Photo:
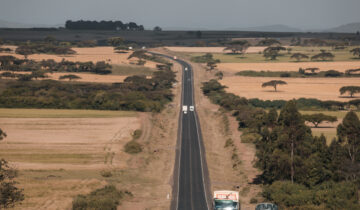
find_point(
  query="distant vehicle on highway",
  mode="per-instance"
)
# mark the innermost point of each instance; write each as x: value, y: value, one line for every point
x: 266, y: 206
x: 191, y: 108
x: 185, y: 109
x: 175, y: 57
x: 186, y: 68
x: 228, y: 200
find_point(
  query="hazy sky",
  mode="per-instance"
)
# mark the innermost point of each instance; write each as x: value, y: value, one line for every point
x: 209, y: 14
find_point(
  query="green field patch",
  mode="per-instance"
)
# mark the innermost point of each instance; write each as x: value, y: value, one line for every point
x: 125, y: 70
x: 340, y: 55
x: 62, y: 113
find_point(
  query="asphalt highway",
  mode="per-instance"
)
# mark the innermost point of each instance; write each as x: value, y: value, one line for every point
x: 191, y: 180
x: 192, y: 189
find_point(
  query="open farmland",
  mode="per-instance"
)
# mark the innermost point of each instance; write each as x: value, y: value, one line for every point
x: 255, y: 55
x: 93, y: 54
x: 232, y: 68
x: 58, y: 158
x: 319, y: 88
x: 84, y: 77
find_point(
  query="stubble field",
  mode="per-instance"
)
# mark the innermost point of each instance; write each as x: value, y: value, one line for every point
x: 59, y: 158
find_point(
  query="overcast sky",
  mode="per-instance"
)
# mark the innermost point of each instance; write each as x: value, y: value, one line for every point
x: 204, y: 14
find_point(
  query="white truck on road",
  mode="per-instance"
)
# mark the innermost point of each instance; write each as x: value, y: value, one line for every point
x: 185, y: 109
x: 225, y: 199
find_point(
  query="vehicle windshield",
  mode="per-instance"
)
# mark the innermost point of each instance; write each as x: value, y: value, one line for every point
x: 220, y: 204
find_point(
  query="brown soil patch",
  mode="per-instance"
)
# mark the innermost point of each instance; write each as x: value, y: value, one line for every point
x: 319, y: 88
x: 59, y: 158
x: 93, y: 54
x: 291, y: 66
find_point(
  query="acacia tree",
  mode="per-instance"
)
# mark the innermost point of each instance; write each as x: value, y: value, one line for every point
x: 24, y: 50
x: 316, y: 119
x: 273, y: 83
x: 299, y: 56
x: 350, y: 89
x: 323, y: 56
x: 238, y: 47
x: 219, y: 75
x: 356, y: 51
x: 268, y: 42
x: 115, y: 41
x: 349, y: 135
x: 272, y: 52
x: 69, y: 77
x: 211, y: 65
x: 312, y: 70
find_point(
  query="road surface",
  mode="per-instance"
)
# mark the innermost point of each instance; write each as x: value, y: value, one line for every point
x: 191, y: 180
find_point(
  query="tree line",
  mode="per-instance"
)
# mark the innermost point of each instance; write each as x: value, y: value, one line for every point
x: 102, y: 25
x: 12, y: 63
x: 299, y: 170
x: 136, y: 93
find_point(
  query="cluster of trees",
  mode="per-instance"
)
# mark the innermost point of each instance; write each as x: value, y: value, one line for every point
x: 298, y: 169
x: 135, y: 93
x: 323, y: 56
x: 12, y: 63
x: 102, y: 25
x: 268, y: 42
x: 237, y: 47
x: 273, y: 52
x: 308, y: 72
x: 356, y: 51
x: 43, y: 48
x: 208, y: 58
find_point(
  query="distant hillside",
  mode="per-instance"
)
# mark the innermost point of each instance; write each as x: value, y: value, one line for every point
x: 269, y: 28
x: 347, y: 28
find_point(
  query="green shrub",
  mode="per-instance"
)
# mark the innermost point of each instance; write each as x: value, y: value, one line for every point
x: 285, y: 75
x: 229, y: 142
x: 250, y: 137
x: 137, y: 134
x: 106, y: 198
x: 132, y: 147
x: 333, y: 73
x: 106, y: 174
x: 253, y: 200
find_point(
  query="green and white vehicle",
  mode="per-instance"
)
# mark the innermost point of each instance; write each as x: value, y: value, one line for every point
x: 226, y: 200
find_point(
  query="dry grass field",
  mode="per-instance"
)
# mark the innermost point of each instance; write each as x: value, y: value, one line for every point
x: 254, y: 54
x: 320, y: 88
x: 93, y: 54
x: 60, y: 157
x: 288, y: 66
x: 84, y: 77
